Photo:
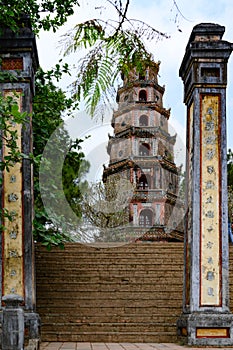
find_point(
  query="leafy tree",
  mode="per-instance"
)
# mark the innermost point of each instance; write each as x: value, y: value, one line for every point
x: 44, y: 14
x: 106, y: 209
x: 75, y: 167
x: 113, y: 48
x: 49, y: 104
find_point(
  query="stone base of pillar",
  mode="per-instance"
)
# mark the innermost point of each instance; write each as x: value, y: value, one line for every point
x: 32, y: 331
x: 30, y: 334
x: 33, y: 344
x: 206, y: 329
x: 20, y: 329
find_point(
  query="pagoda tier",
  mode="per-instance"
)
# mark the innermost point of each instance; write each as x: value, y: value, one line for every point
x: 156, y: 142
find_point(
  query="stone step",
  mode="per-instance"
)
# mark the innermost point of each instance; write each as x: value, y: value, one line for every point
x: 119, y: 246
x: 113, y: 298
x: 115, y: 258
x: 99, y: 267
x: 112, y: 259
x: 107, y: 311
x: 120, y: 281
x: 111, y: 337
x: 152, y: 255
x: 93, y: 328
x: 122, y: 258
x: 91, y: 318
x: 97, y: 303
x: 96, y: 263
x: 120, y: 276
x: 116, y: 273
x: 107, y: 286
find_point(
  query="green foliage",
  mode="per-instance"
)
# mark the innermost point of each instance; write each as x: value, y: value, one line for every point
x: 50, y: 103
x: 44, y: 14
x: 10, y: 116
x: 182, y: 185
x: 113, y: 48
x: 75, y: 167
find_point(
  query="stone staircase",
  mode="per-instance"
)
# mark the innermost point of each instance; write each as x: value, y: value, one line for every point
x: 128, y: 293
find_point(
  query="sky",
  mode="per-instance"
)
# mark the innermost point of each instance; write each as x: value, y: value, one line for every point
x: 164, y: 16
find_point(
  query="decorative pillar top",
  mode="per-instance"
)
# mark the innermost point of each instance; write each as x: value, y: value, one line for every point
x: 206, y: 32
x: 205, y: 46
x: 21, y: 40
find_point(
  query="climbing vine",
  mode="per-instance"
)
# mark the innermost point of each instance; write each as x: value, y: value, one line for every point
x: 10, y: 117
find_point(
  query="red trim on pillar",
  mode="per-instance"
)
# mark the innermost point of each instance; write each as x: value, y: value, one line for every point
x: 12, y: 63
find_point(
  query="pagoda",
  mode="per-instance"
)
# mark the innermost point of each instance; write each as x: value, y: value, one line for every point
x: 142, y: 151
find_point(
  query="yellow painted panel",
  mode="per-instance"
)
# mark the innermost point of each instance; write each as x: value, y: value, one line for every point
x: 13, y: 233
x: 210, y: 202
x: 212, y: 332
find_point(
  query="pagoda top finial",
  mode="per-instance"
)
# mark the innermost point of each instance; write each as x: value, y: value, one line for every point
x: 147, y: 70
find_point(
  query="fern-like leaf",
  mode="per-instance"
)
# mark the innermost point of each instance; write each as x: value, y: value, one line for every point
x: 113, y: 49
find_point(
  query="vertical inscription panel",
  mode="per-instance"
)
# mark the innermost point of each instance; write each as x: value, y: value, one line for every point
x: 210, y: 201
x: 13, y: 233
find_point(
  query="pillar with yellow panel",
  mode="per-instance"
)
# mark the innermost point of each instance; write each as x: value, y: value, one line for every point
x: 18, y: 56
x: 206, y: 319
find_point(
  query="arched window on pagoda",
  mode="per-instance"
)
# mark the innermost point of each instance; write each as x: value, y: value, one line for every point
x: 142, y: 96
x: 144, y: 182
x: 144, y: 149
x: 143, y: 120
x: 145, y: 218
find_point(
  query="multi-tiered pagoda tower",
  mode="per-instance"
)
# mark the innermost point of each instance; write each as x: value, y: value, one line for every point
x: 142, y: 151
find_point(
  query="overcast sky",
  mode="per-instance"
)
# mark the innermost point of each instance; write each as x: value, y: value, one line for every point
x: 162, y: 15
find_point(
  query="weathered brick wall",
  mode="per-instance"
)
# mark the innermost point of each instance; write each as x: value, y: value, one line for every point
x: 125, y: 293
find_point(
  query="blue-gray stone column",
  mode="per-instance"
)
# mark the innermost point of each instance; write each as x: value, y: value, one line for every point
x: 206, y: 319
x: 18, y: 54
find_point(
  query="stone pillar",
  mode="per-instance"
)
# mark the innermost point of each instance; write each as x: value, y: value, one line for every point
x: 206, y: 319
x: 18, y: 55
